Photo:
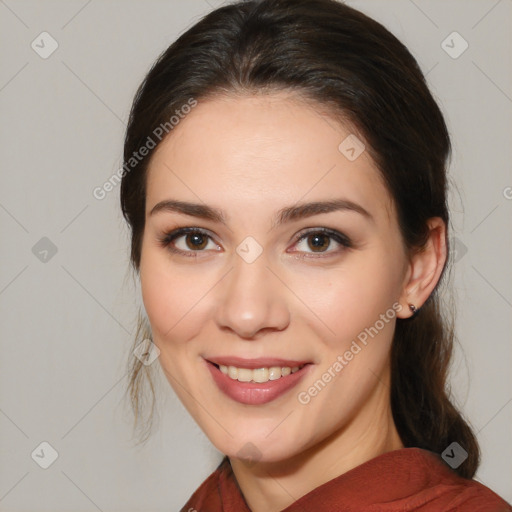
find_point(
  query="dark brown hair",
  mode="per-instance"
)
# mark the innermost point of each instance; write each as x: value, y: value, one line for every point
x: 355, y: 69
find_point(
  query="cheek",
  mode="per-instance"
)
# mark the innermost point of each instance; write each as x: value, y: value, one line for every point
x: 171, y: 298
x: 346, y: 301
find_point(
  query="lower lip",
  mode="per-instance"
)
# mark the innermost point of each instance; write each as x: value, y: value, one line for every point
x: 256, y: 393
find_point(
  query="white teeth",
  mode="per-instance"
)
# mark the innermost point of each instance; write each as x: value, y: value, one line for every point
x: 274, y: 373
x: 244, y: 374
x: 233, y: 372
x: 259, y: 374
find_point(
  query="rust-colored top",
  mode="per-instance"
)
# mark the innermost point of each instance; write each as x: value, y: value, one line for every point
x: 409, y: 479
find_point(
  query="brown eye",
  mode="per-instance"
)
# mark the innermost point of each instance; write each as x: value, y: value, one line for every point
x: 318, y: 242
x: 322, y: 241
x: 188, y: 241
x: 196, y: 241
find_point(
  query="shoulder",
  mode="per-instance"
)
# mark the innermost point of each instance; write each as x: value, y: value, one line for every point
x: 407, y: 480
x: 410, y: 479
x: 476, y: 497
x: 452, y: 493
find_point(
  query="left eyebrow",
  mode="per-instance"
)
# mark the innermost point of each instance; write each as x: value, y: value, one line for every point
x: 304, y: 210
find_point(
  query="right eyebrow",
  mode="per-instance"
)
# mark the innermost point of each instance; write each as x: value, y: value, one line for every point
x: 201, y: 211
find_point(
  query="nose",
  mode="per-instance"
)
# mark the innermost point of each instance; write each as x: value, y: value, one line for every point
x: 252, y: 300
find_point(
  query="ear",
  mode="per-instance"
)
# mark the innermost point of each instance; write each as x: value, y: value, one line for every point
x: 424, y: 269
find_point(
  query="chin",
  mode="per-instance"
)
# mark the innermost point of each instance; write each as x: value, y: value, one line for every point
x: 254, y: 446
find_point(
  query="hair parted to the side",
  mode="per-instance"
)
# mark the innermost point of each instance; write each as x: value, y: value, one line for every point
x: 353, y: 68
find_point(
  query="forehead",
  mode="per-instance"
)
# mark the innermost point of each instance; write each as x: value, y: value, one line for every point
x: 274, y: 148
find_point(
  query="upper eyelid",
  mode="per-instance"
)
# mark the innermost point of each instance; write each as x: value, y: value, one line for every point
x: 329, y: 232
x: 303, y: 233
x: 179, y: 232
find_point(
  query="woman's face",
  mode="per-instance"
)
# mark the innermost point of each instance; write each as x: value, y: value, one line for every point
x: 293, y: 256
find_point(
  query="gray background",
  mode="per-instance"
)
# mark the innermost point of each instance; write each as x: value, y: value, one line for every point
x: 67, y: 318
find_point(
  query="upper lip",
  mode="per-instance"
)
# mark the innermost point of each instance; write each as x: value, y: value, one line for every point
x: 259, y: 362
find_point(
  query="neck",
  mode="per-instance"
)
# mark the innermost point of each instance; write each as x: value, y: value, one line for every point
x: 273, y: 486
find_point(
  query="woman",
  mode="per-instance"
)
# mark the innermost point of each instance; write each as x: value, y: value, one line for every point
x: 286, y: 192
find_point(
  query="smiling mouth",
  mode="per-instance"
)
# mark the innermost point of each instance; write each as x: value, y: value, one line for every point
x: 259, y: 384
x: 257, y: 375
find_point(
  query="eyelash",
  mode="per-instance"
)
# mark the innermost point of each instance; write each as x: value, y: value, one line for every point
x: 169, y: 237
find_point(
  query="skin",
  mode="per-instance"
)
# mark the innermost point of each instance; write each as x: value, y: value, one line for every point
x: 250, y: 156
